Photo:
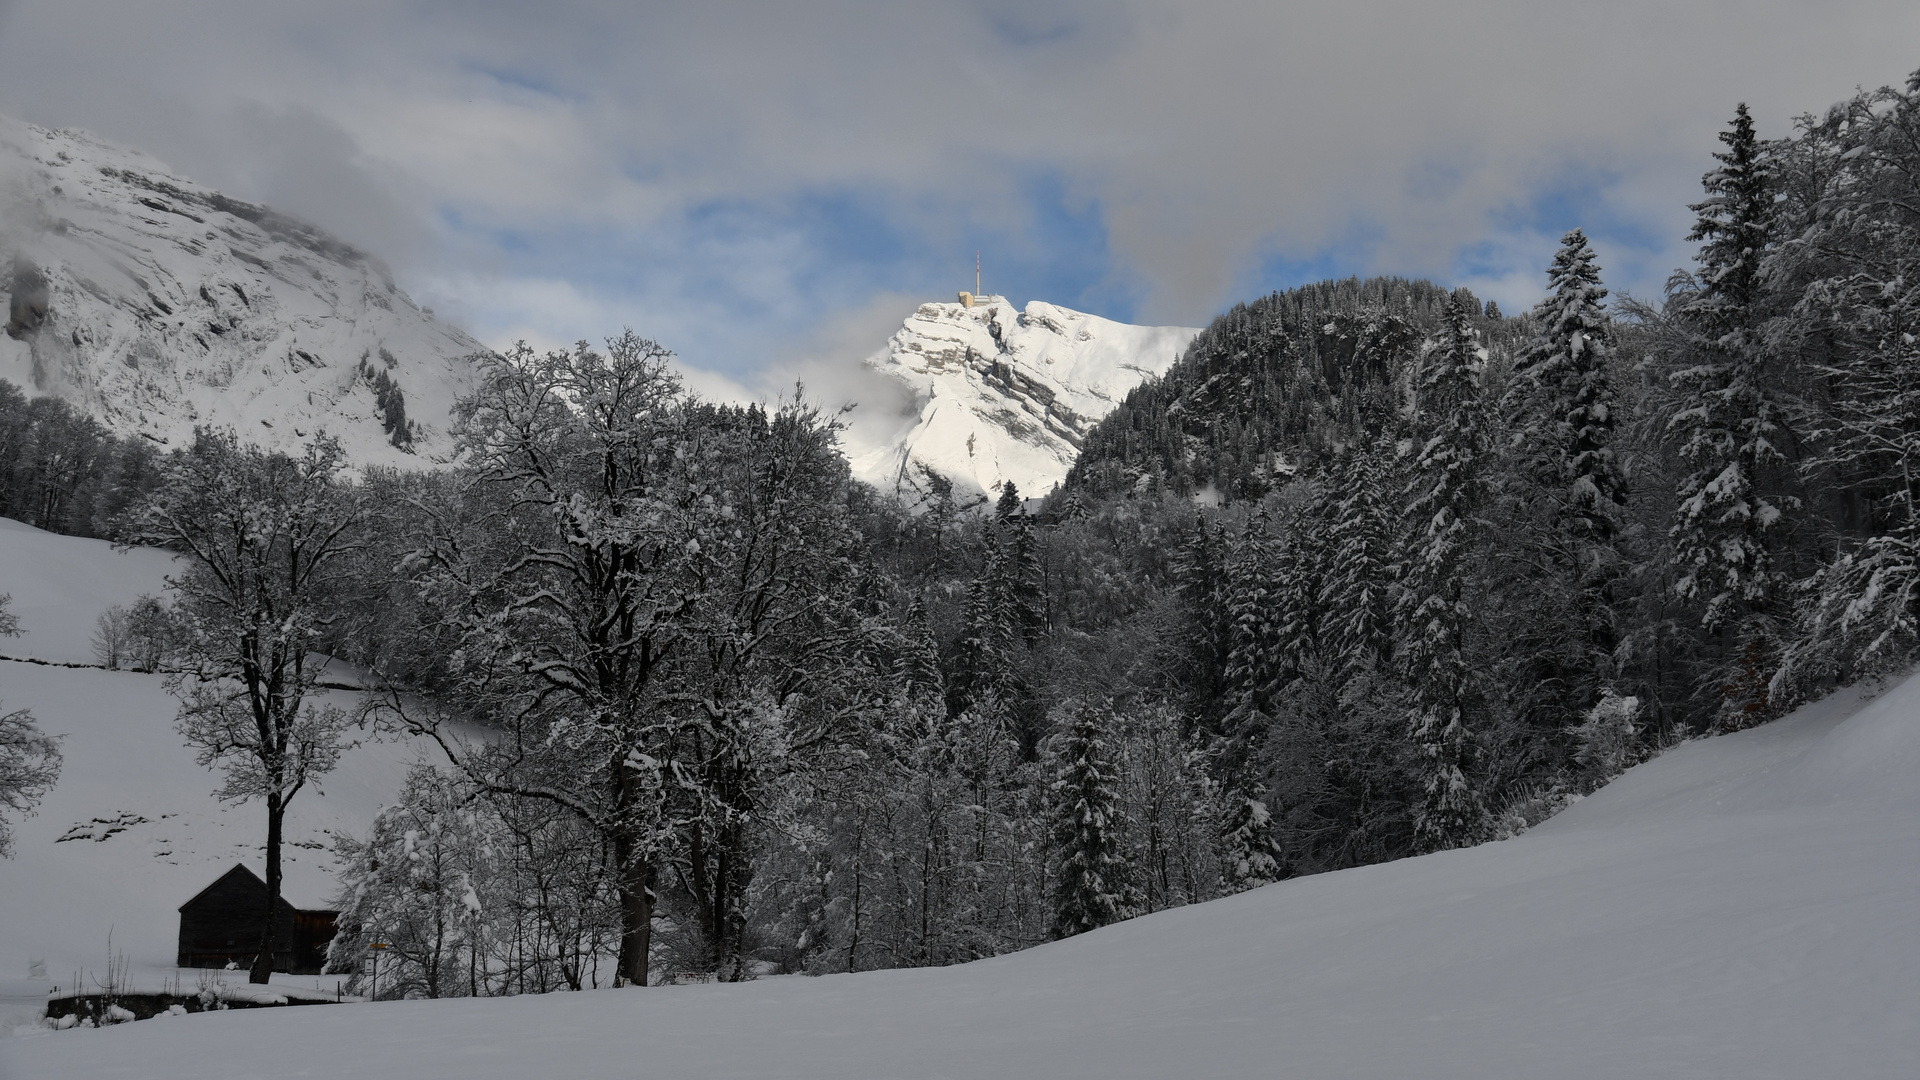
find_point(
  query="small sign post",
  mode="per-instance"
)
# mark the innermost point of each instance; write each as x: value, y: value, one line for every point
x: 374, y: 949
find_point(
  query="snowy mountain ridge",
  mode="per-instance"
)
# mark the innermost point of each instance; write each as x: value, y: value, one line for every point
x: 1001, y: 394
x: 156, y: 304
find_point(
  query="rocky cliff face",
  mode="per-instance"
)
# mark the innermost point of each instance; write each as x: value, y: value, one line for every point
x: 156, y: 304
x: 1000, y: 394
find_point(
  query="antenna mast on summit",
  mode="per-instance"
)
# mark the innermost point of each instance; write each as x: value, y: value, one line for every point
x: 976, y: 273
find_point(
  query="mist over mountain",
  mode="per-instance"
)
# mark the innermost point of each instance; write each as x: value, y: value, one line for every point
x: 154, y: 305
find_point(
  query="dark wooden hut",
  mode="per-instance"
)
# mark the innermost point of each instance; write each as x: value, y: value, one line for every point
x: 221, y: 926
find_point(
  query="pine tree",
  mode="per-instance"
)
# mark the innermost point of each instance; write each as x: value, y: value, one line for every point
x: 987, y: 638
x: 1205, y: 585
x: 1566, y: 493
x: 1248, y: 855
x: 919, y: 665
x: 1732, y: 512
x: 1300, y: 576
x: 1256, y: 667
x: 1565, y: 399
x: 1094, y: 880
x: 1448, y: 489
x: 1026, y: 584
x: 1009, y: 502
x: 1356, y: 595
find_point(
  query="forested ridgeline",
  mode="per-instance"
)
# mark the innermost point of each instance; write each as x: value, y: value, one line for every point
x: 1373, y: 571
x: 1275, y: 385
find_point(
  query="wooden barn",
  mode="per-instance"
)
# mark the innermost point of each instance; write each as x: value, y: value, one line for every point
x: 221, y: 925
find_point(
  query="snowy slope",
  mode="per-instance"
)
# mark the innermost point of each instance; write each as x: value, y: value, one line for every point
x: 143, y: 831
x: 156, y: 304
x: 61, y: 584
x: 1741, y: 907
x: 1000, y: 394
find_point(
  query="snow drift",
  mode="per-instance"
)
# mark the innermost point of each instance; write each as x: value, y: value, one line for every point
x: 1741, y: 907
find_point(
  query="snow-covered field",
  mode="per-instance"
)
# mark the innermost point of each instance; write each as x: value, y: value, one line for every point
x: 132, y: 830
x: 1741, y: 907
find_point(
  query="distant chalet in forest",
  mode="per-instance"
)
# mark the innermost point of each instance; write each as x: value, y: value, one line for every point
x: 221, y: 925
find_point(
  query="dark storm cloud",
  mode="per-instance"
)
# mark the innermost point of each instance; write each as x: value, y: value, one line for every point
x: 1209, y: 140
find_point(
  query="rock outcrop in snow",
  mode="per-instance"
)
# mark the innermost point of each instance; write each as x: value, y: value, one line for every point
x: 156, y: 304
x: 1000, y: 394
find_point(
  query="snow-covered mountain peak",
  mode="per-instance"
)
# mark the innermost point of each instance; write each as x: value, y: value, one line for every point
x: 1002, y: 394
x: 156, y: 304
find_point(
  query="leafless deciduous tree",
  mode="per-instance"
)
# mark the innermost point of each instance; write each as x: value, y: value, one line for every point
x: 263, y: 535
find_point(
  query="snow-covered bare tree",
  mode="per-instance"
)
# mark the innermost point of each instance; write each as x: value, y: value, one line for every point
x: 1855, y: 266
x: 264, y: 536
x: 29, y: 767
x: 561, y: 558
x: 641, y: 587
x: 423, y: 886
x: 29, y: 759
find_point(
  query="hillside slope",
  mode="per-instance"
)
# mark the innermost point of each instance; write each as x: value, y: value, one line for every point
x: 132, y: 830
x: 155, y: 304
x: 1741, y: 907
x: 999, y: 394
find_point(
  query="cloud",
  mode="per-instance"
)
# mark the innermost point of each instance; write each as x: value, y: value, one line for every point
x: 737, y: 178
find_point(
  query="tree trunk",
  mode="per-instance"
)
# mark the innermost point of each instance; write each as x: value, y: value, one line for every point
x: 262, y: 969
x: 636, y: 911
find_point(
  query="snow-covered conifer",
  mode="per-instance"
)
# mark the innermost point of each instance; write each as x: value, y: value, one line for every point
x: 1727, y: 414
x: 1564, y: 398
x: 1255, y: 666
x: 1248, y: 856
x: 1094, y: 879
x: 1361, y: 541
x: 1447, y: 491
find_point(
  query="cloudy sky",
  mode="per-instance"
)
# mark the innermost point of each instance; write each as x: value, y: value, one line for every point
x: 764, y: 185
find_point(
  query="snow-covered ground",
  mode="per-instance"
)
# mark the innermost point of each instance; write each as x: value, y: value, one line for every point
x: 156, y: 304
x: 132, y: 830
x: 1001, y: 394
x: 1741, y: 907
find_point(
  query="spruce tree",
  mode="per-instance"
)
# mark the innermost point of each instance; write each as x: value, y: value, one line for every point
x: 918, y: 670
x: 1256, y: 666
x: 1733, y: 511
x: 1566, y: 493
x: 1565, y: 399
x: 1094, y: 880
x: 1248, y: 856
x: 1356, y: 594
x: 1448, y: 490
x: 987, y: 638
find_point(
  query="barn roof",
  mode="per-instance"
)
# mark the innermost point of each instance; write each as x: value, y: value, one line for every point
x: 245, y: 871
x: 238, y: 868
